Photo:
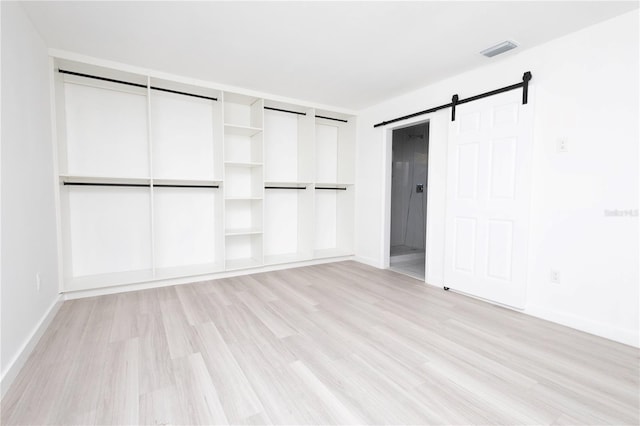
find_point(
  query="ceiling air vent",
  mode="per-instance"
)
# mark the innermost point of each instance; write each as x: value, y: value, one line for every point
x: 499, y: 48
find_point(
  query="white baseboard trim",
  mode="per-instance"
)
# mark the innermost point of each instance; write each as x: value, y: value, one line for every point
x: 607, y: 331
x: 368, y: 261
x: 10, y: 374
x: 81, y: 294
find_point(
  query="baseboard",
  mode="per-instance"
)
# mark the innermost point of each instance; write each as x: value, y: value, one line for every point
x: 18, y: 362
x: 368, y: 261
x: 81, y: 294
x: 607, y: 331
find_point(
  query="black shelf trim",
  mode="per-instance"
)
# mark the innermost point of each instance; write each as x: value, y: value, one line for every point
x: 135, y: 185
x: 285, y: 187
x: 128, y: 83
x: 331, y: 118
x: 285, y: 110
x: 163, y: 185
x: 138, y: 185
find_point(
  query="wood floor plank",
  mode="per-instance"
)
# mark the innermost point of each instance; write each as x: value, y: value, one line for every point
x: 279, y: 393
x: 79, y: 399
x: 237, y: 396
x: 388, y: 402
x: 278, y: 326
x: 334, y: 408
x: 156, y: 370
x: 196, y: 308
x: 118, y: 402
x: 178, y: 331
x: 125, y: 324
x: 197, y: 394
x: 161, y: 407
x: 336, y: 343
x: 289, y: 292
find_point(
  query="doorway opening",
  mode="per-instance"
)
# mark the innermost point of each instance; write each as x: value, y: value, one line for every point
x: 409, y: 170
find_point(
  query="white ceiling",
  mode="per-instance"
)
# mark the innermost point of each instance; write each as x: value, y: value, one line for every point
x: 346, y: 54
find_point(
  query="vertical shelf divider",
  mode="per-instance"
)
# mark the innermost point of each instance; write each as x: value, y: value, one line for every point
x: 221, y: 191
x: 257, y: 111
x: 151, y: 176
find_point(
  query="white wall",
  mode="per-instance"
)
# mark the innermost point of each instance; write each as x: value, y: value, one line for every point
x: 586, y: 90
x: 28, y: 242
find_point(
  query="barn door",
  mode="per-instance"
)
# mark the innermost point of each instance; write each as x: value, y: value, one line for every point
x: 488, y: 197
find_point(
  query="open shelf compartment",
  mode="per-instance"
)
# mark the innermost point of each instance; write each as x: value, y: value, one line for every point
x: 334, y: 149
x: 334, y: 222
x: 243, y: 251
x: 188, y: 230
x: 288, y: 223
x: 186, y: 131
x: 288, y: 143
x: 106, y: 235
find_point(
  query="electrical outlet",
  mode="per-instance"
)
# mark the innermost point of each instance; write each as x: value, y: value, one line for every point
x: 562, y: 145
x: 38, y: 281
x: 555, y: 276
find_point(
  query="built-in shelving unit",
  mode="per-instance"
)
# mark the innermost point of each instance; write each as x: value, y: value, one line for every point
x: 162, y: 179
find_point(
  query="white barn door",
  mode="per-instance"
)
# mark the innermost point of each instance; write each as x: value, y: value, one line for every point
x: 488, y: 197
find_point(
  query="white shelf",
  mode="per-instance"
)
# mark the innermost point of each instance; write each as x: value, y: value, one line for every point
x: 242, y: 164
x: 289, y: 184
x: 105, y: 179
x: 111, y: 279
x: 190, y: 182
x: 334, y: 252
x: 188, y: 270
x: 234, y: 129
x: 242, y: 231
x: 286, y: 258
x: 331, y: 184
x: 235, y: 264
x: 242, y: 198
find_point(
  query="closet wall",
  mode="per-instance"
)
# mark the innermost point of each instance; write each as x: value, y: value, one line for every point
x: 160, y: 179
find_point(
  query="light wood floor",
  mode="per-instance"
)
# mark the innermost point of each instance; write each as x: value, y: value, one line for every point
x: 334, y: 343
